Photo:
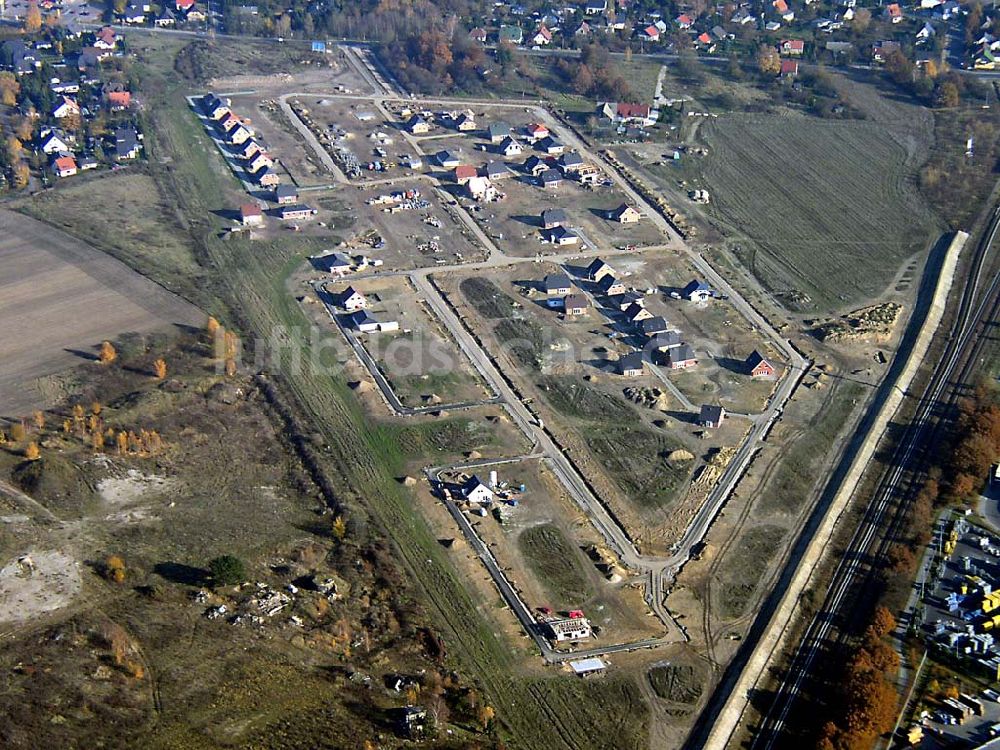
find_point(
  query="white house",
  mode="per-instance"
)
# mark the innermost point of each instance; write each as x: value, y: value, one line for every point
x: 352, y: 300
x: 475, y: 490
x: 65, y: 108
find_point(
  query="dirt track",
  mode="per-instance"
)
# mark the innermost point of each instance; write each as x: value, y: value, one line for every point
x: 59, y: 298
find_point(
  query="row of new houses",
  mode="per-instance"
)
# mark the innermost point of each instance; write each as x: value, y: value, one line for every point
x: 241, y: 140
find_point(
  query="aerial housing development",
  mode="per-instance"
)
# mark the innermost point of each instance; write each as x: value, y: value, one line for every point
x: 608, y: 375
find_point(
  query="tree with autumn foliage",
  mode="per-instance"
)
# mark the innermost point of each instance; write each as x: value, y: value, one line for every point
x: 160, y: 368
x: 33, y: 19
x: 31, y: 452
x: 108, y: 353
x: 9, y: 89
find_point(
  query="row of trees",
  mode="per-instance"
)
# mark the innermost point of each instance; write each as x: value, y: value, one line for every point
x: 867, y: 699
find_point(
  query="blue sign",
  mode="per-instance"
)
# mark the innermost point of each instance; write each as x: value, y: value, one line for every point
x: 319, y: 47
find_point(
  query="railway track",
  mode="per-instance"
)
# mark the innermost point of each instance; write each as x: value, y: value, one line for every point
x: 884, y: 518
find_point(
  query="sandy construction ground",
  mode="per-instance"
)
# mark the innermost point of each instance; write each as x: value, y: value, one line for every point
x: 59, y: 298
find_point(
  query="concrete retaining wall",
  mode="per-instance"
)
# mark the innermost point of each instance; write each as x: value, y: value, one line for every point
x: 774, y: 638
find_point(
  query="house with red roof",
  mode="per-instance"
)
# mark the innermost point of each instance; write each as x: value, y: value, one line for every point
x: 626, y: 113
x: 118, y: 100
x: 789, y: 68
x: 106, y: 38
x: 894, y: 13
x: 64, y: 166
x: 542, y: 37
x: 183, y: 5
x: 463, y: 173
x: 650, y: 34
x: 537, y: 131
x: 793, y: 47
x: 684, y: 21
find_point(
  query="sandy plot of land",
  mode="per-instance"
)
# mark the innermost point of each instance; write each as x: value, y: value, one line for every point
x: 33, y: 584
x: 59, y: 298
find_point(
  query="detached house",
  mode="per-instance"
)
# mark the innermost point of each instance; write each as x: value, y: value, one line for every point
x: 536, y: 131
x: 630, y: 365
x: 598, y: 269
x: 624, y: 214
x: 758, y: 367
x: 106, y: 39
x: 510, y: 147
x: 711, y: 416
x: 65, y: 108
x: 475, y: 490
x: 697, y: 291
x: 542, y: 37
x: 352, y: 300
x: 551, y: 146
x: 894, y: 13
x: 463, y: 173
x: 498, y: 132
x: 793, y: 47
x: 54, y: 142
x: 127, y: 144
x: 64, y: 166
x: 610, y: 286
x: 118, y: 100
x: 251, y: 215
x: 267, y: 178
x: 417, y: 125
x: 553, y: 217
x: 575, y: 305
x: 680, y: 357
x: 557, y: 284
x: 563, y: 236
x: 649, y: 34
x: 286, y: 195
x: 625, y: 113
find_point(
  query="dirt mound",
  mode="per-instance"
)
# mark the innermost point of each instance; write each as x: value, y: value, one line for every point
x: 680, y: 455
x: 473, y: 455
x: 361, y: 386
x: 873, y: 324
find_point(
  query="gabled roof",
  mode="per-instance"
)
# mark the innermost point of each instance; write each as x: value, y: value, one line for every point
x: 681, y: 353
x: 664, y: 339
x: 596, y: 265
x: 557, y: 281
x: 576, y: 301
x: 654, y: 325
x: 607, y: 282
x: 711, y: 413
x: 473, y: 483
x: 248, y: 210
x: 465, y: 172
x: 65, y: 162
x: 696, y: 286
x: 550, y: 176
x: 629, y: 110
x: 498, y: 129
x: 495, y: 169
x: 755, y: 359
x: 286, y: 191
x: 553, y: 216
x: 630, y: 361
x: 571, y: 159
x: 562, y: 233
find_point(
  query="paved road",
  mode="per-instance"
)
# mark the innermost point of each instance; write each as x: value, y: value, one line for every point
x: 507, y: 590
x: 384, y: 386
x: 659, y: 570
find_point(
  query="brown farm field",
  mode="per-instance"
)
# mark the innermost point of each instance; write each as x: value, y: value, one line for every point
x: 59, y: 298
x: 824, y: 213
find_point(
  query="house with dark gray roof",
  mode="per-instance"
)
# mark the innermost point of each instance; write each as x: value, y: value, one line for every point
x: 553, y: 217
x: 711, y: 416
x: 630, y: 365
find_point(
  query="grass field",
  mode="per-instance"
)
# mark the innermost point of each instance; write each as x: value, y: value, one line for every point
x: 641, y: 471
x: 679, y: 683
x: 556, y: 564
x: 827, y: 210
x: 59, y: 299
x: 747, y: 562
x: 250, y: 279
